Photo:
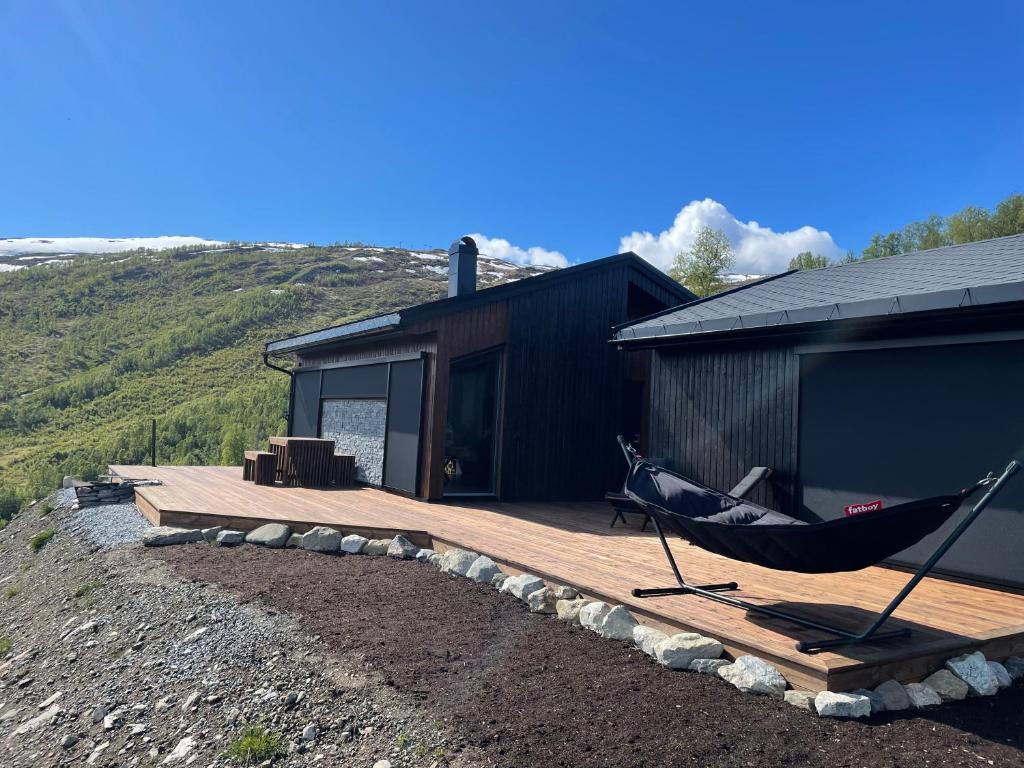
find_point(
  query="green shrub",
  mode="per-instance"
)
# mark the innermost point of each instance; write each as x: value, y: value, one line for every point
x: 44, y: 509
x: 11, y: 591
x: 38, y: 541
x: 5, y: 645
x: 254, y: 745
x: 84, y: 589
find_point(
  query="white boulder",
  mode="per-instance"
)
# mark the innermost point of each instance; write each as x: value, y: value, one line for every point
x: 800, y: 699
x: 321, y: 539
x: 708, y: 666
x: 353, y: 544
x: 401, y: 548
x: 849, y: 705
x: 230, y: 538
x: 677, y: 651
x: 542, y: 601
x: 592, y: 614
x: 617, y: 624
x: 523, y: 585
x: 647, y: 638
x: 458, y: 561
x: 483, y: 570
x: 753, y: 675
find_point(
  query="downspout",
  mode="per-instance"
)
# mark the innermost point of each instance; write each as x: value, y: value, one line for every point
x: 291, y: 387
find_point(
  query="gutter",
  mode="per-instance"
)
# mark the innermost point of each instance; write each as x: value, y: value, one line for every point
x: 291, y: 388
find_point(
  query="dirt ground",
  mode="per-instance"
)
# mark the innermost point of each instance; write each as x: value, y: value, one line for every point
x: 527, y: 690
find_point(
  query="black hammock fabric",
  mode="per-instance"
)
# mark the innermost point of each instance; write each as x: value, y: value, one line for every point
x: 740, y: 530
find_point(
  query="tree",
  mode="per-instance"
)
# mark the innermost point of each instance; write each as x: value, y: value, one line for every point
x: 232, y: 445
x: 700, y: 269
x: 971, y: 224
x: 883, y: 245
x: 922, y: 235
x: 808, y: 260
x: 1008, y: 218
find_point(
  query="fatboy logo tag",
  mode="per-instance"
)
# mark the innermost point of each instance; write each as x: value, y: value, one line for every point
x: 860, y: 509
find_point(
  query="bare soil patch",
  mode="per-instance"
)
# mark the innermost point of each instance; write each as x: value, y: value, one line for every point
x: 526, y: 690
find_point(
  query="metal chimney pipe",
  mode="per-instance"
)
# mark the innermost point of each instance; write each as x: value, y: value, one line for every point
x: 462, y: 267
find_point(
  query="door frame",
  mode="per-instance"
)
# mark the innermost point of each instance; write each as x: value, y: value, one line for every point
x: 498, y: 352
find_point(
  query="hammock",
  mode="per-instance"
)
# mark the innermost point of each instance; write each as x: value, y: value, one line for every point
x: 741, y: 530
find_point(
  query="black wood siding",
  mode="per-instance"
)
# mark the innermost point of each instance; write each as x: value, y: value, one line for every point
x: 563, y: 388
x: 715, y: 413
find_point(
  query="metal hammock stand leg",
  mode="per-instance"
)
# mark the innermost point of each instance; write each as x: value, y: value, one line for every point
x: 842, y: 637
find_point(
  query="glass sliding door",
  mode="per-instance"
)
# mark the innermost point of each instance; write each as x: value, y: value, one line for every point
x: 471, y: 435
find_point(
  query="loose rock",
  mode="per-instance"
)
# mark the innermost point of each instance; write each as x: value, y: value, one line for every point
x: 165, y: 536
x: 1015, y: 666
x: 617, y: 624
x: 402, y: 549
x: 483, y: 570
x: 542, y: 601
x: 894, y: 697
x: 321, y: 539
x: 498, y: 581
x: 522, y: 586
x: 230, y: 538
x: 353, y: 544
x: 424, y: 555
x: 877, y: 703
x: 647, y: 638
x: 210, y: 534
x: 273, y: 535
x: 563, y: 592
x: 376, y: 547
x: 708, y: 666
x: 569, y: 610
x: 753, y: 675
x: 801, y: 699
x: 1002, y: 675
x: 180, y: 751
x: 848, y: 705
x: 677, y: 651
x: 458, y: 561
x: 922, y: 695
x: 974, y: 670
x: 947, y: 685
x: 592, y: 614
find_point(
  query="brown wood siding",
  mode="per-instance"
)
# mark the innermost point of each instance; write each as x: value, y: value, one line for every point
x: 457, y: 334
x: 715, y: 413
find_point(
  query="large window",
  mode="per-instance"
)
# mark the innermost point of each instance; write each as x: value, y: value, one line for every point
x: 471, y: 432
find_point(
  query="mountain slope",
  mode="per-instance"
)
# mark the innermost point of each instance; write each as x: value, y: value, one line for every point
x: 92, y: 349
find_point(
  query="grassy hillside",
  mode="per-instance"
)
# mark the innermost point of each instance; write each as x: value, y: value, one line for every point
x: 91, y: 351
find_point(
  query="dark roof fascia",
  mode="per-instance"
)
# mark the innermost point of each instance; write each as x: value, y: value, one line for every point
x: 356, y: 329
x: 887, y: 307
x: 430, y: 309
x: 699, y: 300
x: 925, y: 322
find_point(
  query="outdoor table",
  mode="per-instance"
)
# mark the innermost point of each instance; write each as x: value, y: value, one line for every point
x: 306, y: 461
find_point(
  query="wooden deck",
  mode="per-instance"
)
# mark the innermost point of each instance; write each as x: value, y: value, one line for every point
x: 572, y: 544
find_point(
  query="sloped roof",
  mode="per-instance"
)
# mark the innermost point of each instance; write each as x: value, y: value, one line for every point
x: 393, y: 321
x: 949, y: 278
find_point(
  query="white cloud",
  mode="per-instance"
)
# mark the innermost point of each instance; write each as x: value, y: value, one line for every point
x: 759, y: 250
x: 503, y: 249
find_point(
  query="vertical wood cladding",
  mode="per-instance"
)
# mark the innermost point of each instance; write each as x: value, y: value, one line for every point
x: 563, y: 390
x: 717, y: 412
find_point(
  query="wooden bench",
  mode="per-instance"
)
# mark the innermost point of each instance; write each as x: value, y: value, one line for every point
x: 260, y: 467
x: 343, y: 471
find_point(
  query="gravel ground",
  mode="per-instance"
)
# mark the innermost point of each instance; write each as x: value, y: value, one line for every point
x: 107, y: 525
x: 116, y: 661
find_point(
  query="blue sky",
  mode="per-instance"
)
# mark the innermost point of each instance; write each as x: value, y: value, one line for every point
x: 565, y: 126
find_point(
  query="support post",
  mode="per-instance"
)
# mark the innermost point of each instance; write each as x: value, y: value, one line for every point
x: 152, y: 443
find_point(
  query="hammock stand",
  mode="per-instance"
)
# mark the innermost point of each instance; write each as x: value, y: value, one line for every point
x: 688, y: 528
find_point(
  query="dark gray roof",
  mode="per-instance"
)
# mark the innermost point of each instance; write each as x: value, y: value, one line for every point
x: 949, y: 278
x: 398, y: 319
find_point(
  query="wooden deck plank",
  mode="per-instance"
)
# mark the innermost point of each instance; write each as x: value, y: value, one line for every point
x: 572, y: 543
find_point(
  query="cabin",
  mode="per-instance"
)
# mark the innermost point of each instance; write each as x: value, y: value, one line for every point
x: 511, y: 392
x: 878, y: 381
